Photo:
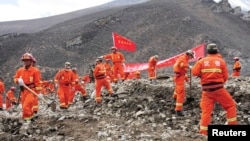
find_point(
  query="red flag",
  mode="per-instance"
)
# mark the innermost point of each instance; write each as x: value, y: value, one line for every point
x: 198, y: 53
x: 123, y: 43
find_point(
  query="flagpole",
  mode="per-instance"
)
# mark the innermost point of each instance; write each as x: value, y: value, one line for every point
x: 113, y: 39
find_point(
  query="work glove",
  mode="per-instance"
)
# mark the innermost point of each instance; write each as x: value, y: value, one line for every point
x: 40, y: 95
x: 20, y: 82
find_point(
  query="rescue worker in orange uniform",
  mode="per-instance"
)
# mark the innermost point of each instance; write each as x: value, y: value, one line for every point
x: 109, y: 71
x: 236, y: 67
x: 48, y: 87
x: 118, y: 61
x: 2, y: 90
x: 152, y: 67
x: 101, y: 80
x: 10, y: 98
x: 35, y: 106
x: 213, y: 74
x: 85, y: 79
x: 31, y: 77
x: 77, y: 86
x: 180, y: 69
x: 137, y: 75
x: 64, y: 78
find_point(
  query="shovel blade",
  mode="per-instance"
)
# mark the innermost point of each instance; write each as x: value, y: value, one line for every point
x: 190, y: 99
x: 52, y: 106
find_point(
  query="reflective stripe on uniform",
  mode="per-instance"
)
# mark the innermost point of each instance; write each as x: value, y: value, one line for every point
x: 211, y: 70
x: 179, y: 104
x: 231, y: 119
x: 203, y: 128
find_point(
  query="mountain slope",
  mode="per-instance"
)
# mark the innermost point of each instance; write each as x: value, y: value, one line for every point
x: 161, y: 27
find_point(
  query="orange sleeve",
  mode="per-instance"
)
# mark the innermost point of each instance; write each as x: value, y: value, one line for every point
x: 237, y: 65
x: 122, y: 57
x: 196, y: 70
x: 17, y: 75
x: 96, y: 70
x: 2, y: 87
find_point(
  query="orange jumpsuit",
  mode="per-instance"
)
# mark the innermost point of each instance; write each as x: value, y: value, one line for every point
x: 109, y: 72
x: 213, y: 73
x: 236, y: 68
x: 76, y: 87
x: 117, y: 59
x: 85, y: 79
x: 152, y: 68
x: 100, y: 81
x: 48, y: 87
x: 65, y: 78
x: 2, y: 89
x: 180, y: 69
x: 32, y: 78
x: 137, y: 74
x: 10, y: 97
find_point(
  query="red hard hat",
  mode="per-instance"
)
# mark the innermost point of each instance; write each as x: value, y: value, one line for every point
x: 236, y: 58
x: 27, y: 56
x: 13, y: 88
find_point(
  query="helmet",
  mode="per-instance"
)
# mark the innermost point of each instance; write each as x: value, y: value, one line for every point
x: 34, y: 60
x: 98, y: 59
x: 74, y: 69
x: 113, y: 48
x: 13, y: 88
x: 190, y: 52
x: 156, y: 57
x: 236, y: 58
x: 27, y: 56
x: 212, y: 48
x: 137, y: 72
x: 67, y: 65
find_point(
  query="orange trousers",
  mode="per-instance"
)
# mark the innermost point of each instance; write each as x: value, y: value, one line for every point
x: 118, y: 69
x: 8, y: 103
x: 1, y: 101
x: 151, y: 74
x: 207, y: 102
x: 179, y: 92
x: 64, y: 94
x: 28, y: 100
x: 74, y: 89
x: 236, y: 73
x: 99, y: 83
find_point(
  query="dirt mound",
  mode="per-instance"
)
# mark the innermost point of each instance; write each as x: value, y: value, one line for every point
x: 143, y: 111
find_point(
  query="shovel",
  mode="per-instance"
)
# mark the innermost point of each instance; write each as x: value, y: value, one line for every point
x: 190, y: 99
x: 52, y: 104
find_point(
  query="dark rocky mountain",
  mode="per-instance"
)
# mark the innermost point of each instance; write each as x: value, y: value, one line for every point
x: 166, y: 28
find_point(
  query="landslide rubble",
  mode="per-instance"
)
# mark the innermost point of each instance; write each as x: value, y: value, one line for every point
x: 143, y: 111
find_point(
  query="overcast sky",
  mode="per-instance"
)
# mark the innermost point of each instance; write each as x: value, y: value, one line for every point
x: 11, y: 10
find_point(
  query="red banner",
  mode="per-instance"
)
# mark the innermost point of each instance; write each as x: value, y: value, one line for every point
x: 198, y: 53
x: 123, y: 43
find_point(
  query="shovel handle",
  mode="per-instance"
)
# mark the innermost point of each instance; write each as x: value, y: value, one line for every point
x: 33, y: 92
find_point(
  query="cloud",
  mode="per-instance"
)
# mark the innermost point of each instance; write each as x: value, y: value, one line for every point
x: 244, y: 4
x: 31, y: 9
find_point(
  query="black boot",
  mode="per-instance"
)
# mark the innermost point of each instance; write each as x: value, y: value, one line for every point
x: 114, y: 95
x: 179, y: 113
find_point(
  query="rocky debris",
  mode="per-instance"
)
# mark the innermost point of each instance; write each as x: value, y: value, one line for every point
x: 224, y: 6
x: 143, y: 111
